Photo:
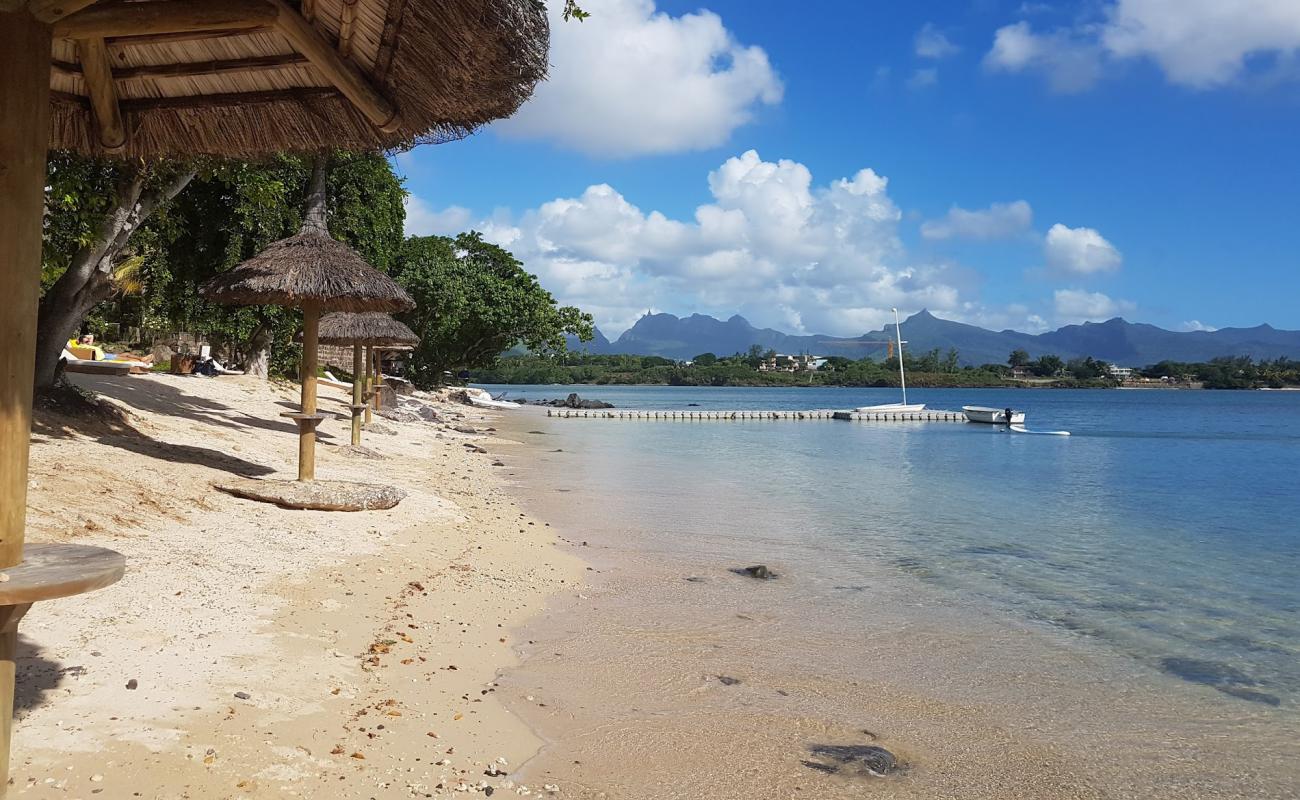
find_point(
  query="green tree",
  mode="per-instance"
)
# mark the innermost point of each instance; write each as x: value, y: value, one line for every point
x: 94, y: 209
x: 1019, y: 358
x: 177, y: 224
x: 1048, y: 366
x: 474, y: 301
x: 950, y: 361
x: 705, y: 360
x: 235, y: 209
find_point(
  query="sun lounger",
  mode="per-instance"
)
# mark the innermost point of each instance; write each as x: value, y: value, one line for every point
x: 99, y: 367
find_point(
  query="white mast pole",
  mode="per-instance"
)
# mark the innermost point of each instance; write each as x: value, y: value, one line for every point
x: 902, y: 378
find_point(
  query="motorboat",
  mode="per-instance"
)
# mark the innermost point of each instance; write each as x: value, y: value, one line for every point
x: 993, y: 416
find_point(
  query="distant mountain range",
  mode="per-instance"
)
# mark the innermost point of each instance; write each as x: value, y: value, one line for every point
x: 1116, y: 340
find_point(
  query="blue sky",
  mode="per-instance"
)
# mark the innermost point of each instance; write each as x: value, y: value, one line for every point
x: 1007, y: 163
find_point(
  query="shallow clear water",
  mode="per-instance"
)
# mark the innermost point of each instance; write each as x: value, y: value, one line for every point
x: 1165, y: 530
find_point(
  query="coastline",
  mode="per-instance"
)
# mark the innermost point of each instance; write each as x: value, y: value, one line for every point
x: 253, y: 651
x: 971, y: 702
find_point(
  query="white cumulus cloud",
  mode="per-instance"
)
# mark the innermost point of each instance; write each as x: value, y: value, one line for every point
x: 1079, y: 251
x: 1197, y: 325
x: 1077, y: 305
x: 631, y: 80
x: 931, y: 42
x: 923, y: 78
x: 1070, y: 63
x: 421, y: 220
x: 1201, y: 44
x: 772, y: 244
x: 998, y: 221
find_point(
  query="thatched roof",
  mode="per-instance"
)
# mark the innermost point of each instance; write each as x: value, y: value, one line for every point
x: 243, y: 78
x: 369, y: 328
x: 308, y: 267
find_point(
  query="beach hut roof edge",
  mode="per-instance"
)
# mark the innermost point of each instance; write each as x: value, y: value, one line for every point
x: 308, y: 268
x: 246, y: 78
x: 371, y: 328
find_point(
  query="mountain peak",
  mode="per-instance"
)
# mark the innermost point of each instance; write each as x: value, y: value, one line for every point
x: 1114, y: 340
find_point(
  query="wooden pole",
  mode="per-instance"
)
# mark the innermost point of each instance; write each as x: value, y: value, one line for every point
x: 9, y: 617
x: 174, y: 16
x: 358, y: 381
x: 52, y: 10
x: 96, y: 71
x: 24, y: 137
x: 370, y: 398
x: 343, y: 74
x: 379, y: 378
x: 307, y: 425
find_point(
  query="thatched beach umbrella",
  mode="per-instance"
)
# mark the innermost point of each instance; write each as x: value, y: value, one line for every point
x: 365, y: 330
x: 209, y: 77
x: 314, y: 272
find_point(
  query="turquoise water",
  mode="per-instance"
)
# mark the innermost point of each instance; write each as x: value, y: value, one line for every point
x: 1166, y: 529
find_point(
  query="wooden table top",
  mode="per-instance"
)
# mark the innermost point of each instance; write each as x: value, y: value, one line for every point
x: 49, y: 571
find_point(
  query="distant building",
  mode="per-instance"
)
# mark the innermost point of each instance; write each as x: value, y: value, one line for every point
x: 784, y: 363
x: 1120, y: 373
x: 1021, y: 372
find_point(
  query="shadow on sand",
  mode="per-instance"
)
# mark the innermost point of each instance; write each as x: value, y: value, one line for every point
x: 66, y: 411
x: 37, y: 677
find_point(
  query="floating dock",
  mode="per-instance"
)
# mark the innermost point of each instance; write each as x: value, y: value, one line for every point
x: 926, y: 415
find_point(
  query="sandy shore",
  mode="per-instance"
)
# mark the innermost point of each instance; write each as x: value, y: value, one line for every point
x: 697, y: 683
x: 253, y: 651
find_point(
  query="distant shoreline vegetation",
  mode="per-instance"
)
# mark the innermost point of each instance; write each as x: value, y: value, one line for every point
x: 930, y: 370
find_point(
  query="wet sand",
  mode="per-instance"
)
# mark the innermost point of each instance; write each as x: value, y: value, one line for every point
x: 672, y: 677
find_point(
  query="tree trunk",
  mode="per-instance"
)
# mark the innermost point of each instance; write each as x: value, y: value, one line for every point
x: 88, y: 280
x: 257, y: 351
x: 314, y: 216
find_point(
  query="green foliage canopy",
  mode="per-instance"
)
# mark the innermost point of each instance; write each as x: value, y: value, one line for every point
x: 473, y: 302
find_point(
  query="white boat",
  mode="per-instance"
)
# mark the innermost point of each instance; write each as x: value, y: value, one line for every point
x: 892, y: 407
x: 902, y: 380
x: 1023, y: 429
x: 993, y: 416
x: 490, y: 403
x: 481, y: 399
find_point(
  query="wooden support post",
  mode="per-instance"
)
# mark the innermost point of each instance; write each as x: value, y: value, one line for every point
x: 97, y: 71
x: 173, y: 16
x: 347, y: 27
x: 51, y: 10
x: 379, y: 378
x: 369, y: 401
x: 343, y: 74
x: 24, y: 137
x: 9, y: 617
x: 307, y: 426
x: 357, y: 391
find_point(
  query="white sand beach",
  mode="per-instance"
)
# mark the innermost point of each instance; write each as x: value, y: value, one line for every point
x: 253, y: 651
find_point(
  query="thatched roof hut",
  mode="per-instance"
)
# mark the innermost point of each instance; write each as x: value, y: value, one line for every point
x: 243, y: 78
x: 308, y: 267
x: 309, y: 270
x: 371, y: 329
x: 240, y: 78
